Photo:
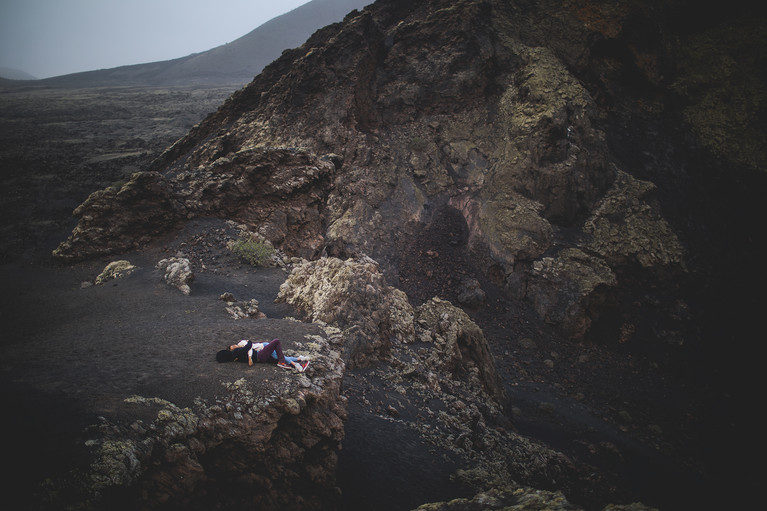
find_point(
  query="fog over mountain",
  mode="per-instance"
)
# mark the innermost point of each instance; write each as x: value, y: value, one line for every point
x: 15, y: 74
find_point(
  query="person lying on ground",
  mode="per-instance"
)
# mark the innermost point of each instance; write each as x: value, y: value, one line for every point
x: 259, y: 352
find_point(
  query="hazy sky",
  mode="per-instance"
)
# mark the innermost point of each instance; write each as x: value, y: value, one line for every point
x: 54, y: 37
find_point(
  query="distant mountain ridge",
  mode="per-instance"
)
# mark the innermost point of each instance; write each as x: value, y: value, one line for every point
x: 234, y: 63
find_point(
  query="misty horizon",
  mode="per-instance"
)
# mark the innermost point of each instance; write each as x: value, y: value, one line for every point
x: 47, y: 38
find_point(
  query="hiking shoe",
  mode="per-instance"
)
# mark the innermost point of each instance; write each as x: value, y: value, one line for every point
x: 304, y: 365
x: 284, y: 365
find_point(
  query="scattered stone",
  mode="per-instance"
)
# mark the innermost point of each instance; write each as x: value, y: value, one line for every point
x: 471, y: 294
x: 227, y: 297
x: 247, y: 310
x: 178, y: 273
x: 115, y: 270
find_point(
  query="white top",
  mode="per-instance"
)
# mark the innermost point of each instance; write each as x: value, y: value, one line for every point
x: 257, y: 346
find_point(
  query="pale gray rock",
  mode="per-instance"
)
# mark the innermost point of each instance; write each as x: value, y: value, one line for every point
x: 115, y: 270
x: 177, y: 272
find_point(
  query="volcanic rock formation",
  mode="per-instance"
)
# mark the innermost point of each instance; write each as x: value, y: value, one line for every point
x: 540, y: 150
x: 363, y: 137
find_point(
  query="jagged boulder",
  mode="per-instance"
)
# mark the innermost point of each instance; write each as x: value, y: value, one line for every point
x: 119, y: 218
x: 115, y: 270
x: 244, y: 310
x: 352, y: 295
x: 566, y: 288
x: 458, y: 345
x: 177, y: 272
x: 627, y: 228
x: 471, y: 294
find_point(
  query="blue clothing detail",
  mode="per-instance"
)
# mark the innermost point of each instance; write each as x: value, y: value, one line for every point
x: 289, y: 360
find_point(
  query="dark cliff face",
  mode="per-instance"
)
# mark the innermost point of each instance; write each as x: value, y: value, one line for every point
x: 564, y: 153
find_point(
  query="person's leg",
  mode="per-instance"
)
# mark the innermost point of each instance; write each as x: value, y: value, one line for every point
x: 274, y: 346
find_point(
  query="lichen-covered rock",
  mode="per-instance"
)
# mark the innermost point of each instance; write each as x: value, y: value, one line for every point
x: 507, y: 498
x: 117, y: 219
x: 564, y: 288
x: 428, y: 104
x: 276, y: 190
x: 556, y: 156
x: 458, y: 345
x: 352, y: 295
x: 115, y: 270
x: 513, y: 228
x: 627, y: 228
x: 177, y: 272
x: 244, y: 310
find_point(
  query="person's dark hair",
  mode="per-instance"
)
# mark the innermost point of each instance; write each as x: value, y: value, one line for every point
x: 224, y: 356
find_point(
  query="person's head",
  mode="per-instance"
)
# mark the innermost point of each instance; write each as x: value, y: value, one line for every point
x: 225, y: 356
x: 233, y: 347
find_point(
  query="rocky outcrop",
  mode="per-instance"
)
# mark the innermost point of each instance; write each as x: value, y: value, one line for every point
x: 520, y: 498
x: 627, y: 228
x: 352, y: 295
x: 269, y: 445
x: 437, y: 362
x: 566, y: 289
x: 278, y: 190
x: 428, y: 105
x: 458, y: 346
x: 377, y: 320
x: 121, y: 217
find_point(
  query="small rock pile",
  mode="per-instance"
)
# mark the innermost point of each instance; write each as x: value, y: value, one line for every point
x: 244, y: 310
